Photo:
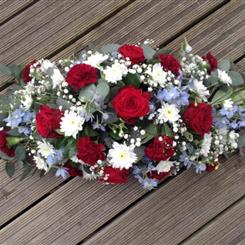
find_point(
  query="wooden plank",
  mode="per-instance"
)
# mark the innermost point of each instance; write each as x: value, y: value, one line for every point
x: 241, y: 65
x: 227, y: 228
x: 47, y: 26
x: 163, y: 220
x: 11, y: 7
x: 123, y: 18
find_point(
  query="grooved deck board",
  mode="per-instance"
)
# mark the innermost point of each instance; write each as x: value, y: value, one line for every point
x: 226, y: 229
x: 8, y: 8
x: 160, y: 219
x: 122, y: 18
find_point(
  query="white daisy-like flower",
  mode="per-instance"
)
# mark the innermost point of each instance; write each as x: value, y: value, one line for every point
x: 206, y: 144
x: 164, y: 166
x: 46, y: 64
x: 45, y: 148
x: 157, y: 74
x: 57, y: 78
x: 200, y: 89
x: 228, y: 104
x: 168, y: 113
x: 122, y: 156
x: 71, y: 124
x: 40, y: 163
x: 115, y: 73
x: 96, y: 59
x: 224, y: 77
x: 26, y: 101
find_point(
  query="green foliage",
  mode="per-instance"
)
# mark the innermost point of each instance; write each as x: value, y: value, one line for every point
x: 224, y: 65
x: 87, y: 93
x: 151, y: 132
x: 132, y: 79
x: 20, y: 153
x: 66, y: 105
x: 148, y: 51
x: 11, y: 70
x: 10, y: 168
x: 221, y: 95
x: 237, y: 79
x: 166, y: 130
x: 110, y: 48
x: 239, y: 96
x: 102, y: 89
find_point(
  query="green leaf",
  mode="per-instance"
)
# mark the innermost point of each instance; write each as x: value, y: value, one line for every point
x: 224, y: 65
x: 139, y: 152
x: 16, y: 71
x: 10, y: 168
x: 166, y: 130
x: 151, y: 132
x: 20, y: 153
x: 237, y: 79
x: 89, y: 131
x: 5, y: 157
x: 66, y: 105
x: 102, y: 89
x: 110, y: 48
x: 14, y: 132
x: 132, y: 79
x: 27, y: 168
x: 5, y: 70
x: 87, y: 94
x: 239, y: 96
x: 221, y: 95
x: 148, y: 51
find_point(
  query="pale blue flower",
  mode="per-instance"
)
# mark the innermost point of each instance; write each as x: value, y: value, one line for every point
x: 24, y: 130
x: 62, y: 172
x: 200, y: 167
x: 15, y: 118
x: 168, y: 94
x: 56, y: 157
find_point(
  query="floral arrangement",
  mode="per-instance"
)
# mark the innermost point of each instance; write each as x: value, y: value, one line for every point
x: 122, y: 109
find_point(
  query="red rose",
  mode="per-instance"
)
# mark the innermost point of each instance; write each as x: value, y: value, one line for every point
x: 199, y: 117
x: 90, y: 152
x: 3, y: 144
x: 212, y: 61
x: 170, y: 63
x: 115, y: 175
x: 133, y: 52
x: 160, y: 149
x: 81, y: 75
x: 48, y: 121
x: 131, y: 103
x: 73, y: 172
x: 210, y: 168
x: 26, y: 72
x: 159, y: 176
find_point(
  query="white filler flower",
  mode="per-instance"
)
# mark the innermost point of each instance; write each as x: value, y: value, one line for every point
x: 71, y: 124
x: 163, y: 166
x: 158, y: 75
x: 40, y: 163
x: 206, y: 144
x: 224, y: 77
x: 96, y: 59
x: 45, y: 148
x: 200, y: 89
x: 57, y: 78
x: 115, y: 72
x: 168, y: 113
x: 122, y: 156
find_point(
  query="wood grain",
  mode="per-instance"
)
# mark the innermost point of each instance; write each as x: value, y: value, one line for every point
x: 228, y: 228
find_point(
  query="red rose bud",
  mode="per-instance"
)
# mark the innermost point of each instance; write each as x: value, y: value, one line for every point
x: 131, y: 103
x: 4, y: 146
x: 115, y: 175
x: 133, y: 52
x: 26, y: 72
x: 48, y: 121
x: 160, y: 149
x: 212, y: 61
x: 159, y: 176
x: 90, y: 152
x: 170, y: 63
x: 198, y: 117
x: 73, y: 172
x: 81, y: 75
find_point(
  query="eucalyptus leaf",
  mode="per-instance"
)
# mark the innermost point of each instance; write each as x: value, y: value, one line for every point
x: 237, y: 79
x: 102, y: 89
x: 5, y: 157
x: 5, y: 70
x: 151, y: 132
x: 20, y: 153
x: 132, y: 79
x: 224, y: 65
x: 110, y: 48
x: 87, y: 94
x: 10, y: 168
x: 221, y: 95
x: 148, y: 51
x: 238, y: 97
x: 139, y: 152
x: 16, y: 71
x: 14, y: 132
x: 66, y: 105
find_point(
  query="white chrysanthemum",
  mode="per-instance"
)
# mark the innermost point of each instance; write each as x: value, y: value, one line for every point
x: 57, y: 78
x: 228, y: 104
x: 168, y: 113
x: 122, y: 156
x: 45, y: 148
x: 200, y: 89
x: 26, y: 101
x: 40, y: 163
x: 115, y: 72
x: 71, y: 124
x: 96, y: 59
x: 164, y: 166
x: 206, y: 144
x: 157, y: 74
x: 224, y: 77
x: 46, y: 64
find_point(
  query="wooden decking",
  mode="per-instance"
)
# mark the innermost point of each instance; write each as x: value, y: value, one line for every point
x: 187, y: 209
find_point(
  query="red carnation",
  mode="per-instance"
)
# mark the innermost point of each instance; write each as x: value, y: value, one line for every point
x: 210, y: 168
x: 160, y: 149
x: 131, y: 103
x: 88, y: 151
x: 81, y: 75
x: 133, y: 52
x: 159, y: 176
x: 198, y: 117
x: 115, y: 175
x: 3, y: 144
x: 170, y: 63
x: 48, y: 121
x: 26, y: 72
x: 212, y: 61
x: 73, y: 172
